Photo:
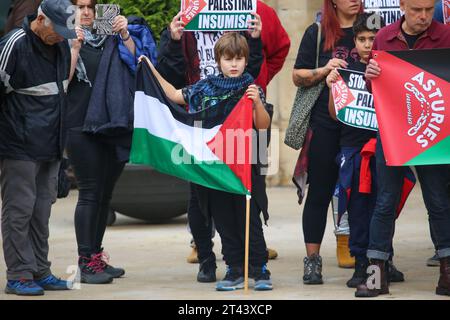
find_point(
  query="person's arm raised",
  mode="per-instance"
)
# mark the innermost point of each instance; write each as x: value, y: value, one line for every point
x: 171, y: 92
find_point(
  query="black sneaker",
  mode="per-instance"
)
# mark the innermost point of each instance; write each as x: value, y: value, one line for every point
x: 360, y: 274
x: 207, y: 270
x: 234, y: 280
x: 313, y: 270
x: 92, y: 271
x: 262, y: 279
x: 103, y: 257
x: 393, y: 274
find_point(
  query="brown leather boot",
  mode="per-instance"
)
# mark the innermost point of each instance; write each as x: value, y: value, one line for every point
x: 365, y: 290
x: 443, y: 287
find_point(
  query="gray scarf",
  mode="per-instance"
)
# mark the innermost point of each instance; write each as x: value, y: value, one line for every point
x: 94, y: 41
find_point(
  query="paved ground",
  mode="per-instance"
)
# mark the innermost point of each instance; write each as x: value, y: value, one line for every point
x: 154, y: 257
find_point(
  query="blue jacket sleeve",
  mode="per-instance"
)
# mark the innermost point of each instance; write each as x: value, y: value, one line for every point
x: 145, y: 45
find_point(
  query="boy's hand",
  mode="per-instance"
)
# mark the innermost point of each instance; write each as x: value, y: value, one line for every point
x: 146, y: 59
x: 332, y: 78
x: 255, y: 26
x: 373, y: 70
x: 176, y: 27
x: 253, y: 94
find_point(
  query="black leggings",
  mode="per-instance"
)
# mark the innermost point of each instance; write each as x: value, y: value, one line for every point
x: 97, y: 170
x: 322, y: 177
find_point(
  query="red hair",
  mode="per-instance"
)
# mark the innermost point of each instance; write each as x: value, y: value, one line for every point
x: 331, y: 26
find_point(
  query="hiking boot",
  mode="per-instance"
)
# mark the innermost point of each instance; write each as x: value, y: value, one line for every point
x: 393, y: 274
x: 52, y: 283
x: 112, y: 271
x: 367, y: 290
x: 433, y: 261
x: 443, y: 287
x: 93, y: 271
x: 360, y: 274
x: 262, y: 279
x: 23, y: 288
x: 272, y: 254
x: 207, y: 270
x: 313, y: 269
x: 345, y: 260
x: 234, y: 280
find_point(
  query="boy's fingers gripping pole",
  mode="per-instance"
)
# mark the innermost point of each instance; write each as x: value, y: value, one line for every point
x: 247, y: 238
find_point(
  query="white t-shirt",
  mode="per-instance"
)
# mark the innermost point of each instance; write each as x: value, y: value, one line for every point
x: 205, y: 49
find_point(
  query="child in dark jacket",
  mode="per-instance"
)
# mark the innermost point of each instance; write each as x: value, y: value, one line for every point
x: 227, y: 209
x: 357, y: 173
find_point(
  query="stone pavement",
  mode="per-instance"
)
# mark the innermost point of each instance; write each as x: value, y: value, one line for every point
x: 154, y: 257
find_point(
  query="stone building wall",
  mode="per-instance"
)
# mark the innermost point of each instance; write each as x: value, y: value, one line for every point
x: 296, y: 16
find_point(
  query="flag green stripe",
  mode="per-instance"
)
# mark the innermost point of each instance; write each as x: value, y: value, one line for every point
x: 437, y: 154
x: 154, y: 151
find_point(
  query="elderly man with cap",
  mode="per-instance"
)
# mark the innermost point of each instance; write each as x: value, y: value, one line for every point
x: 34, y: 72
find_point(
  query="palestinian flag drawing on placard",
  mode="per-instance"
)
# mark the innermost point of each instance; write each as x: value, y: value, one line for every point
x: 211, y: 148
x: 217, y: 15
x: 412, y: 97
x: 352, y: 101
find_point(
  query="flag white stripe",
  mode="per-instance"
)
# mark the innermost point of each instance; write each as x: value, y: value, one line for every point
x: 4, y: 57
x: 156, y: 118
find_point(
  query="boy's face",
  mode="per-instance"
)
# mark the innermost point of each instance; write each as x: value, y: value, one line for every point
x: 363, y: 43
x: 232, y: 67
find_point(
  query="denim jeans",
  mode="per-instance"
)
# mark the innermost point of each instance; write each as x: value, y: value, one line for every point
x: 433, y: 180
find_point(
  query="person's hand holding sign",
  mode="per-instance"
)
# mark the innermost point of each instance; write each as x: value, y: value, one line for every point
x: 255, y: 26
x: 332, y: 77
x: 176, y: 27
x: 120, y: 25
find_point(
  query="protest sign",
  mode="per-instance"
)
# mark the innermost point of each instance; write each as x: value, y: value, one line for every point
x: 217, y: 15
x: 353, y: 103
x: 389, y: 10
x: 104, y: 18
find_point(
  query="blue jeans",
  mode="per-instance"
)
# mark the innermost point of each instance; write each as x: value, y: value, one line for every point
x: 433, y: 180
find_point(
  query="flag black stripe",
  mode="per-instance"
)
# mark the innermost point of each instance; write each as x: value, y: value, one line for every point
x: 435, y: 61
x: 210, y: 118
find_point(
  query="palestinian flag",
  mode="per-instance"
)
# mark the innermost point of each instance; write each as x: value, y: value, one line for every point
x: 412, y: 97
x: 211, y: 148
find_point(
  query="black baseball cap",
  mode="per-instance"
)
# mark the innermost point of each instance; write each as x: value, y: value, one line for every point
x: 62, y: 15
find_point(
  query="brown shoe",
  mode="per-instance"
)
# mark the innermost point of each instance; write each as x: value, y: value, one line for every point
x: 443, y: 287
x: 345, y: 260
x: 272, y: 254
x: 365, y: 291
x: 193, y: 257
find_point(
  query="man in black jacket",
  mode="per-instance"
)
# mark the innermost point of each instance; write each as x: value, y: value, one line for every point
x: 34, y: 71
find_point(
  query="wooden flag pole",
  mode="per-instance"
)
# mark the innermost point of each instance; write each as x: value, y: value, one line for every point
x: 247, y: 242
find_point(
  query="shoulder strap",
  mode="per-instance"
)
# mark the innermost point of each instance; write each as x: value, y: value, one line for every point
x: 319, y: 38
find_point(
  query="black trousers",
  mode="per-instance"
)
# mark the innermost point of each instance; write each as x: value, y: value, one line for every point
x: 200, y: 225
x: 322, y: 176
x: 228, y: 212
x: 97, y: 170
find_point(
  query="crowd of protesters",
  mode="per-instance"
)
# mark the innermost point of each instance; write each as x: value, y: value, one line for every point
x: 54, y: 89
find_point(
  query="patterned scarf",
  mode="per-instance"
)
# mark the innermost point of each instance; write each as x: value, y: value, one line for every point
x: 94, y: 41
x: 214, y: 89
